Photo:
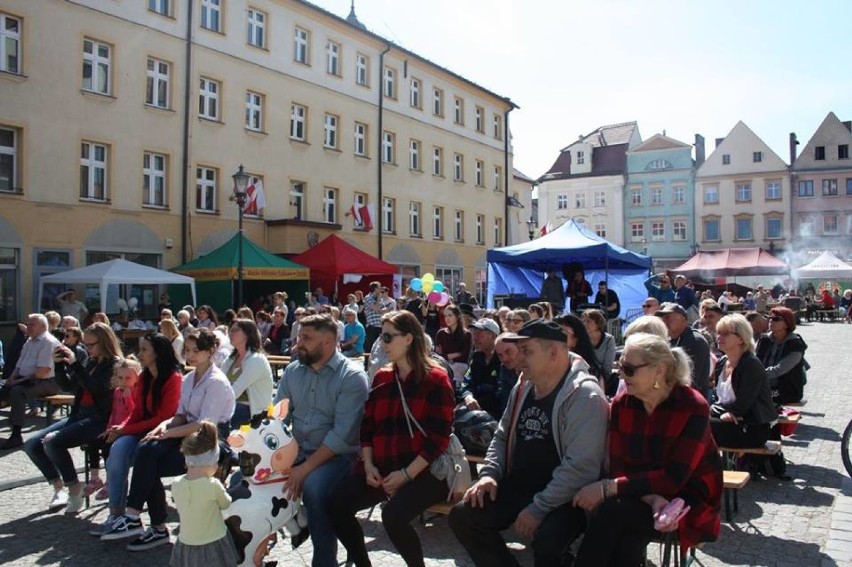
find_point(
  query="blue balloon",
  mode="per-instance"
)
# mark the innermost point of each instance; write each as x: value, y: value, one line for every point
x: 438, y: 286
x: 416, y: 284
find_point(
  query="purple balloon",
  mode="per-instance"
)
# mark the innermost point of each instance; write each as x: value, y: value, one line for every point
x: 435, y: 297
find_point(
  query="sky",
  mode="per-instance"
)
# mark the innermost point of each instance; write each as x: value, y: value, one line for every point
x: 686, y: 67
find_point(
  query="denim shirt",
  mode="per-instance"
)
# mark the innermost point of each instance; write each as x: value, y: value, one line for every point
x: 326, y: 407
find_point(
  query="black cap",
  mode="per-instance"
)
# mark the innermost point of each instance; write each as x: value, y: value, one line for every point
x: 466, y: 309
x: 671, y: 307
x: 539, y: 329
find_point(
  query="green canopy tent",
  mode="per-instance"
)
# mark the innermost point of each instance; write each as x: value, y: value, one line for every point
x: 263, y: 273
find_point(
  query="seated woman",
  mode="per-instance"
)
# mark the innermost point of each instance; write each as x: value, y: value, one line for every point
x: 744, y: 413
x: 660, y: 448
x: 88, y: 417
x: 395, y: 454
x: 454, y: 341
x: 602, y: 342
x: 170, y: 330
x: 248, y: 371
x: 205, y: 393
x: 782, y: 353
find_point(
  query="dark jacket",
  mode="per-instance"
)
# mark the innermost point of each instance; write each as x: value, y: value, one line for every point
x: 751, y: 387
x: 93, y: 377
x: 699, y: 351
x: 785, y: 365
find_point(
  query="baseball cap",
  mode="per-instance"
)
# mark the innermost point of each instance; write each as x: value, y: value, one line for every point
x: 486, y: 324
x: 671, y: 307
x: 538, y: 329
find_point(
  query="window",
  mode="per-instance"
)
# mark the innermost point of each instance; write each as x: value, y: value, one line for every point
x: 480, y: 231
x: 157, y: 84
x: 10, y: 44
x: 458, y: 227
x: 636, y: 197
x: 9, y: 275
x: 388, y: 215
x: 658, y: 231
x: 726, y: 159
x: 298, y: 114
x: 414, y: 155
x: 829, y: 187
x: 438, y: 223
x: 332, y: 58
x: 819, y: 153
x: 211, y: 15
x: 154, y: 180
x: 678, y: 195
x: 498, y: 178
x: 414, y: 93
x: 97, y: 58
x: 774, y: 227
x: 479, y: 166
x: 437, y: 161
x: 8, y: 159
x: 256, y: 28
x: 451, y: 277
x: 254, y: 111
x: 479, y: 119
x: 458, y: 111
x: 656, y: 196
x: 843, y: 151
x: 637, y: 231
x: 600, y: 229
x: 679, y: 230
x: 498, y: 232
x: 773, y: 190
x: 329, y: 205
x: 360, y: 139
x: 562, y: 202
x: 389, y: 83
x: 711, y: 230
x: 581, y: 157
x: 362, y: 70
x: 600, y: 199
x: 437, y: 102
x: 205, y: 189
x: 806, y: 226
x: 757, y: 157
x: 388, y: 144
x: 47, y: 262
x: 743, y: 192
x: 414, y: 219
x: 93, y: 171
x: 208, y: 99
x: 849, y: 185
x: 806, y: 188
x: 162, y: 7
x: 297, y: 199
x: 498, y: 127
x: 360, y: 201
x: 330, y: 131
x: 300, y: 46
x: 711, y: 194
x: 829, y: 224
x: 458, y: 167
x: 580, y: 200
x: 742, y: 229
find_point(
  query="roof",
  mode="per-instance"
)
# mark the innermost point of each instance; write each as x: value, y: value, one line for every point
x: 518, y: 175
x: 606, y: 160
x: 334, y: 257
x: 733, y: 262
x: 117, y: 272
x: 827, y: 265
x: 608, y: 135
x: 659, y: 142
x: 258, y: 264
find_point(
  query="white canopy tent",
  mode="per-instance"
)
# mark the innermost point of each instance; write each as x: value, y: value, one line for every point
x: 826, y: 266
x: 119, y: 272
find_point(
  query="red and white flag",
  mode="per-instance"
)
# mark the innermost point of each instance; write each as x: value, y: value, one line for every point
x: 356, y: 215
x: 546, y: 228
x: 256, y: 199
x: 366, y: 214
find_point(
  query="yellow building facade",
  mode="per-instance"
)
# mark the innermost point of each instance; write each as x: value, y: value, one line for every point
x: 122, y: 122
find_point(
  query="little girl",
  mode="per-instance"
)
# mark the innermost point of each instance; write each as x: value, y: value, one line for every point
x: 204, y: 540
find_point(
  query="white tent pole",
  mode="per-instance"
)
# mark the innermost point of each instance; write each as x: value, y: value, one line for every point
x: 104, y: 287
x: 194, y: 300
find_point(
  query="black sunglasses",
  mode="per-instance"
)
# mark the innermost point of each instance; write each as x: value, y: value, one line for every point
x: 387, y: 338
x: 630, y: 369
x: 646, y: 306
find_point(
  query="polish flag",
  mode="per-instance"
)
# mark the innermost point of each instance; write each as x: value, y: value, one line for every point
x: 545, y: 229
x: 356, y: 214
x: 256, y: 199
x: 366, y: 214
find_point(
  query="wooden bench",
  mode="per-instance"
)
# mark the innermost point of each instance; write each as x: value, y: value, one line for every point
x: 733, y: 481
x: 800, y: 404
x: 61, y: 401
x: 769, y: 448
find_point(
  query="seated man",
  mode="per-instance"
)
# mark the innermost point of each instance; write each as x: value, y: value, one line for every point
x: 32, y: 377
x: 482, y: 381
x: 608, y: 300
x: 549, y: 444
x: 354, y: 335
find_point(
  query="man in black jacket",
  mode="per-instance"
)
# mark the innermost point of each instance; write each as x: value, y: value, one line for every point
x: 691, y: 341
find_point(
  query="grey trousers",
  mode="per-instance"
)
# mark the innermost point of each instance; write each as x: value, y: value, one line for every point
x: 20, y: 393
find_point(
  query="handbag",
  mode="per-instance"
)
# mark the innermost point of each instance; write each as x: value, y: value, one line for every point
x: 451, y: 465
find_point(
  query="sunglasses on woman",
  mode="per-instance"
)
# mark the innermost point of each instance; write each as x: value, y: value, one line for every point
x: 387, y: 338
x: 630, y: 369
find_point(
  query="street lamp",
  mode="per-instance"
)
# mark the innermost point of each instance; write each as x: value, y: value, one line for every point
x: 241, y: 180
x: 531, y: 226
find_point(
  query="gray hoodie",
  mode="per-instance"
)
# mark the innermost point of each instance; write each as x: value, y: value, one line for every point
x: 581, y: 415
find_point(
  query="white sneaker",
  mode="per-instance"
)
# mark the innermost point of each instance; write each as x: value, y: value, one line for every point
x: 75, y: 503
x: 59, y: 500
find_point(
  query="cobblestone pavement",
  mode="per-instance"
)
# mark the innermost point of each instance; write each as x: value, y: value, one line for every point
x: 806, y: 521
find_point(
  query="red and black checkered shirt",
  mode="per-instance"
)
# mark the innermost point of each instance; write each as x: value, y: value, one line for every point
x: 385, y: 429
x: 670, y: 453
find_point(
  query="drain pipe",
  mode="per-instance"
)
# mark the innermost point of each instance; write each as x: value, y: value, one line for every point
x: 506, y: 178
x: 184, y: 204
x: 380, y: 156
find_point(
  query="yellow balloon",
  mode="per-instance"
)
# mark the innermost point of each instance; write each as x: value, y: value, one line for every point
x: 427, y: 277
x: 427, y: 286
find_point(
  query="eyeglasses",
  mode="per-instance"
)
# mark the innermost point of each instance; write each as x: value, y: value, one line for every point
x: 629, y: 369
x: 387, y: 338
x: 776, y: 318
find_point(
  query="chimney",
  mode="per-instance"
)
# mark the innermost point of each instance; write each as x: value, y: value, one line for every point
x: 848, y: 125
x: 699, y: 150
x: 793, y: 143
x: 719, y: 141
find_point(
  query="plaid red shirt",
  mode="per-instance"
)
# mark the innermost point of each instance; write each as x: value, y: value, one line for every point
x: 671, y: 453
x: 385, y: 428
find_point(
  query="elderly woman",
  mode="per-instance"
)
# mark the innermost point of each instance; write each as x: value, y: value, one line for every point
x: 782, y: 353
x: 249, y: 372
x: 660, y: 448
x: 744, y: 413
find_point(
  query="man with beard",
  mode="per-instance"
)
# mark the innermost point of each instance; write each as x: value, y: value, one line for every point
x: 327, y: 393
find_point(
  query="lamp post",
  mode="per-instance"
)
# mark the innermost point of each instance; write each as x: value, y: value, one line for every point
x: 241, y: 180
x: 531, y: 226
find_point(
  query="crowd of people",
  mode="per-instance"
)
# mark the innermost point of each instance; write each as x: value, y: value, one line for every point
x: 590, y: 438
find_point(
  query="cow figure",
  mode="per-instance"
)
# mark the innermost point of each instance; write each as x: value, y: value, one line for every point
x: 266, y: 450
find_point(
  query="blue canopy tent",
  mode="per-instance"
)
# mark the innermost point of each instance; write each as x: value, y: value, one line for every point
x: 520, y: 269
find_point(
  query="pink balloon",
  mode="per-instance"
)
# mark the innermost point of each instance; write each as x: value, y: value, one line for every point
x: 444, y: 299
x: 435, y: 297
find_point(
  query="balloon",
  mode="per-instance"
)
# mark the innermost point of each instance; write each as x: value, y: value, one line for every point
x: 122, y: 304
x: 438, y: 286
x: 427, y: 286
x: 444, y: 299
x: 428, y: 277
x: 132, y: 302
x: 416, y: 284
x: 435, y: 297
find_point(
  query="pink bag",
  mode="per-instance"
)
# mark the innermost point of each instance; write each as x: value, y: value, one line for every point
x: 668, y: 518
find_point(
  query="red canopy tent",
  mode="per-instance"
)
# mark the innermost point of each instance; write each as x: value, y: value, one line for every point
x: 732, y: 262
x: 334, y: 258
